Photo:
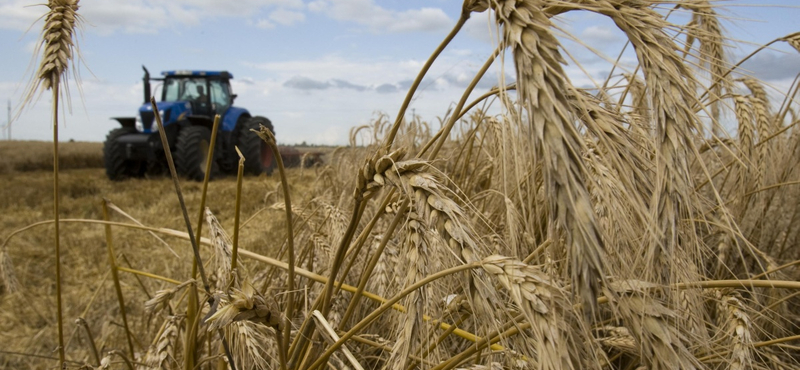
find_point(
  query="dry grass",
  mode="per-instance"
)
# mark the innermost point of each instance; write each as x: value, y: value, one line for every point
x: 26, y: 156
x: 572, y: 231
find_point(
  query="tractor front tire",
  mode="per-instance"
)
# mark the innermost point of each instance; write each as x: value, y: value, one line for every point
x: 191, y: 153
x: 115, y: 158
x: 257, y: 154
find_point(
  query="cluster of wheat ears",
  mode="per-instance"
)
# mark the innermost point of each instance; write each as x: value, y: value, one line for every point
x: 614, y: 228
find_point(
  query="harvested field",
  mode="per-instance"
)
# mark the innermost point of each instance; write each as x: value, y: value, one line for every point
x: 575, y: 230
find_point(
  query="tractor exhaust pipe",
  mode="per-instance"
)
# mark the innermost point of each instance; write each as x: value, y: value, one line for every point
x: 146, y: 80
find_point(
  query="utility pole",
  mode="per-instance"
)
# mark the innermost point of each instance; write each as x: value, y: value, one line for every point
x: 8, y: 122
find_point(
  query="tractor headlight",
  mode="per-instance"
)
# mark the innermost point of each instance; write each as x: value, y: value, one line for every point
x: 139, y: 126
x: 163, y: 120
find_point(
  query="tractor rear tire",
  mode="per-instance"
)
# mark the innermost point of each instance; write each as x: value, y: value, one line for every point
x: 115, y: 158
x: 191, y: 153
x: 258, y: 155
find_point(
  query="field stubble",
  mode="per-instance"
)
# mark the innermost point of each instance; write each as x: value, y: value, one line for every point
x: 27, y: 322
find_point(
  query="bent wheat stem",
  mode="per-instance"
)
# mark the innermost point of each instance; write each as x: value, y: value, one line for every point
x: 112, y: 261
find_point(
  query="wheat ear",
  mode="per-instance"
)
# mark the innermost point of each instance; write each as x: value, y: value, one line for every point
x: 707, y: 30
x: 736, y: 328
x: 536, y: 294
x: 760, y: 103
x: 431, y: 210
x: 651, y: 323
x: 744, y: 115
x: 161, y: 354
x: 541, y: 84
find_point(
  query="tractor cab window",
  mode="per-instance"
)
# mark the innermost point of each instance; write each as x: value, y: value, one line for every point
x: 185, y: 89
x: 220, y: 95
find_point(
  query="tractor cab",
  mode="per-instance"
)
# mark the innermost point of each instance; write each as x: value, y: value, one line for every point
x: 191, y: 95
x: 209, y: 93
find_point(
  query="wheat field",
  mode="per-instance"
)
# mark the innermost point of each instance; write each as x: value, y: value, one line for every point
x: 577, y: 229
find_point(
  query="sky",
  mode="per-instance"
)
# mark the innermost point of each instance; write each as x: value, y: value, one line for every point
x: 318, y: 68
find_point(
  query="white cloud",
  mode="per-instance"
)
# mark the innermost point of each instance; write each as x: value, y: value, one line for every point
x: 143, y: 16
x: 481, y: 26
x: 19, y: 14
x: 594, y: 35
x: 380, y: 20
x: 287, y: 17
x: 264, y: 24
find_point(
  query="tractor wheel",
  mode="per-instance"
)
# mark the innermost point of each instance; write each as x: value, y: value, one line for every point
x: 191, y: 153
x: 258, y: 155
x: 118, y: 166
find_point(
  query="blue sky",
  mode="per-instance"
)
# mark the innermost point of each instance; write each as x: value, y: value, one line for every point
x: 315, y: 68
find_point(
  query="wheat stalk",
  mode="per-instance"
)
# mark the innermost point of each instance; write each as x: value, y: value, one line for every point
x: 57, y: 38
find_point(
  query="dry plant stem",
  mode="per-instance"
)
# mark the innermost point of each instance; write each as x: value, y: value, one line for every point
x: 358, y: 210
x: 746, y: 283
x: 192, y: 306
x: 386, y: 348
x: 287, y: 319
x: 237, y: 210
x: 719, y: 79
x: 90, y: 338
x: 727, y: 165
x: 323, y: 301
x: 192, y: 309
x: 123, y: 357
x: 174, y: 174
x: 362, y: 238
x: 479, y: 346
x: 203, y: 194
x: 410, y: 94
x: 322, y: 279
x: 112, y: 260
x: 206, y: 178
x: 725, y: 352
x: 36, y: 355
x: 445, y: 131
x: 415, y: 359
x: 385, y: 306
x: 136, y: 276
x: 61, y: 356
x: 399, y: 216
x: 147, y: 274
x: 492, y: 92
x: 330, y: 334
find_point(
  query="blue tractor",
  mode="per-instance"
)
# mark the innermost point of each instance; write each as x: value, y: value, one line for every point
x: 189, y: 101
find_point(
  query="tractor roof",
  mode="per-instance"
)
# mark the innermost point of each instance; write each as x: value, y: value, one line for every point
x: 188, y: 73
